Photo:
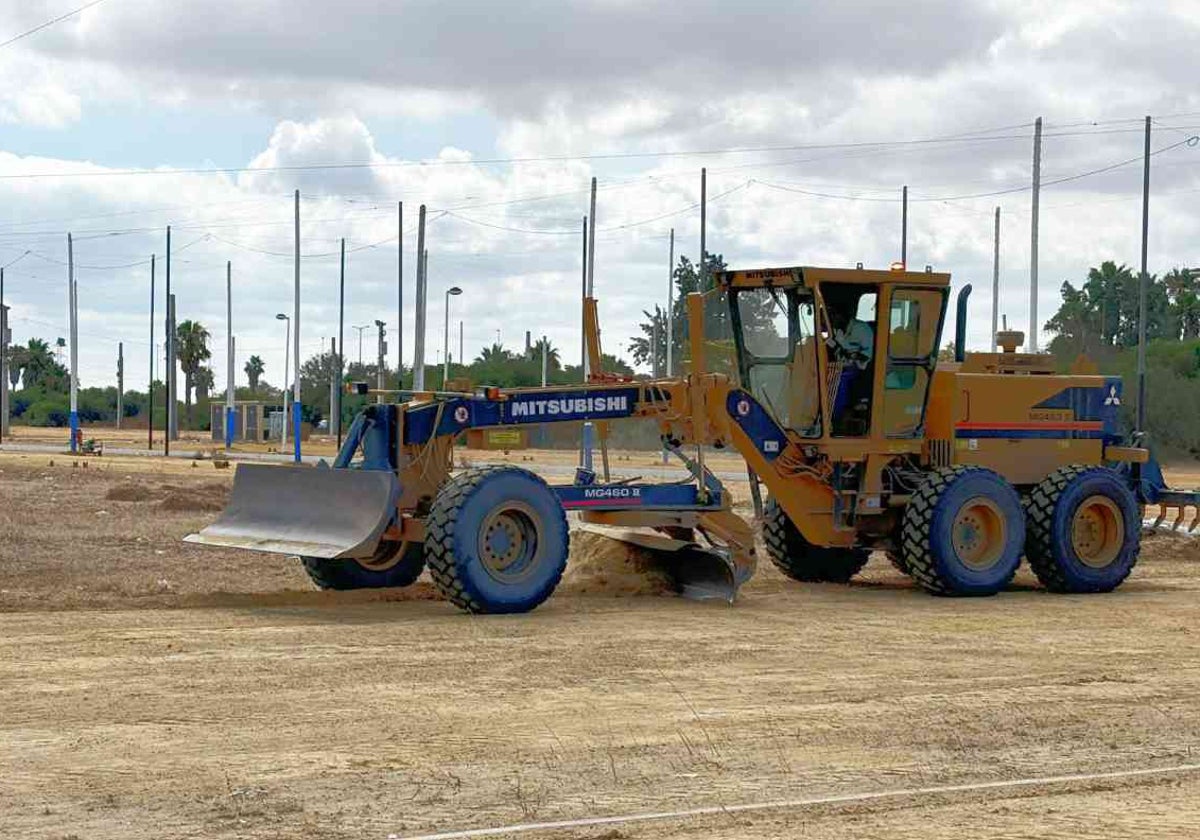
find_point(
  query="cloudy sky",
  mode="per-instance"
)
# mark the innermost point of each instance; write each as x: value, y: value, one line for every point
x: 136, y: 114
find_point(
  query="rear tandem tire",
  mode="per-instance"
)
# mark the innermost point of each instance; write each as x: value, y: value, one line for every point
x: 963, y: 532
x: 496, y: 540
x: 799, y: 559
x: 394, y: 564
x: 1084, y: 530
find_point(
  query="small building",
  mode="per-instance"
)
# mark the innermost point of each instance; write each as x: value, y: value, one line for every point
x: 249, y: 420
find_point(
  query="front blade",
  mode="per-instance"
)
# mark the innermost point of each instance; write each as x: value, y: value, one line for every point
x: 304, y: 511
x: 698, y: 573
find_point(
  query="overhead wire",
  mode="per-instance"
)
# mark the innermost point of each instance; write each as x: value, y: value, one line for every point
x: 49, y: 23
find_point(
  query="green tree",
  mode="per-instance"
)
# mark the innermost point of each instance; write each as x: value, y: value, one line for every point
x: 315, y: 376
x: 254, y: 370
x: 1183, y: 290
x: 191, y: 340
x: 41, y: 369
x: 204, y: 384
x: 642, y: 345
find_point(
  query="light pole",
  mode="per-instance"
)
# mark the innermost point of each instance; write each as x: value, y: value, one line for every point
x: 381, y: 361
x: 360, y: 332
x: 453, y: 290
x: 287, y: 354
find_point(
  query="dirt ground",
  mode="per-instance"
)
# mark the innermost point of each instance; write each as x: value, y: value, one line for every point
x: 152, y: 689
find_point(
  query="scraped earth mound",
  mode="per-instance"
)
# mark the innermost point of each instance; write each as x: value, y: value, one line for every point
x: 602, y: 565
x: 210, y: 496
x: 130, y: 492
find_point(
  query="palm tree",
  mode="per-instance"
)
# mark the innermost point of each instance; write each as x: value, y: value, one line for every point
x: 204, y: 383
x: 191, y: 339
x: 493, y: 355
x: 553, y: 359
x: 39, y: 367
x: 254, y: 369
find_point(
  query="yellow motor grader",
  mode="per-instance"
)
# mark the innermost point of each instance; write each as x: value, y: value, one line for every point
x: 828, y: 384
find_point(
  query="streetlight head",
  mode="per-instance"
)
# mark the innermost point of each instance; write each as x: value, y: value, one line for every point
x: 380, y: 324
x: 454, y: 290
x: 281, y: 317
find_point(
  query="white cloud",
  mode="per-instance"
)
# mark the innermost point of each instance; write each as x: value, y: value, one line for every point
x: 586, y: 78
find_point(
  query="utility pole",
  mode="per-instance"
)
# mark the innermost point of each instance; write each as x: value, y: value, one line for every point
x: 74, y: 312
x: 703, y: 229
x: 591, y: 251
x: 334, y: 378
x: 360, y: 332
x: 287, y: 354
x: 233, y: 374
x: 671, y: 304
x: 120, y: 382
x: 400, y: 294
x: 1143, y: 285
x: 229, y: 369
x: 545, y: 359
x: 1033, y: 236
x: 995, y: 282
x: 150, y: 387
x: 171, y: 379
x: 904, y: 227
x: 585, y: 443
x: 382, y: 348
x: 419, y: 338
x: 170, y: 373
x: 296, y: 340
x: 339, y: 358
x: 583, y: 360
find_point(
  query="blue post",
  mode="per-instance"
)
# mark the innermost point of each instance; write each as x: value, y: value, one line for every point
x: 74, y: 431
x: 229, y: 412
x: 296, y: 428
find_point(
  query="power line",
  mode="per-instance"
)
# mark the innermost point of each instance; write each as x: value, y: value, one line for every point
x: 1190, y: 140
x: 50, y: 23
x: 233, y: 170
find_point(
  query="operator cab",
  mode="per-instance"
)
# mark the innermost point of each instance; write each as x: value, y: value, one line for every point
x: 835, y: 353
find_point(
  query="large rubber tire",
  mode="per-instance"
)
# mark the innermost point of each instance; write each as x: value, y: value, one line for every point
x: 496, y: 540
x: 963, y: 532
x: 377, y: 573
x: 799, y: 559
x: 1088, y: 496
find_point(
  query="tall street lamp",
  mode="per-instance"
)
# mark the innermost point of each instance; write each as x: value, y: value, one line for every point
x: 453, y: 290
x: 287, y: 355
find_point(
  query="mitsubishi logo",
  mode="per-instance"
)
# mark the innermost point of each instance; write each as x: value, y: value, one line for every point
x: 1112, y: 398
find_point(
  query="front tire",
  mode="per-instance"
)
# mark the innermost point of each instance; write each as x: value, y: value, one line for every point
x: 497, y: 540
x: 1084, y: 530
x: 963, y: 532
x: 799, y: 559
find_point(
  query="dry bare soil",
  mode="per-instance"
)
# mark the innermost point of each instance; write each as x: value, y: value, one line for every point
x: 151, y: 689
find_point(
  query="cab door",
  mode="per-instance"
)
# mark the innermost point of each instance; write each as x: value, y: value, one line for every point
x: 915, y: 317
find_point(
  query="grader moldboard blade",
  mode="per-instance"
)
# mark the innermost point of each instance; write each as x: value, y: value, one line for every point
x: 698, y: 573
x: 327, y: 513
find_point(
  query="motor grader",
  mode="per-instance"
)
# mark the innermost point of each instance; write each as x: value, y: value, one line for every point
x: 826, y: 381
